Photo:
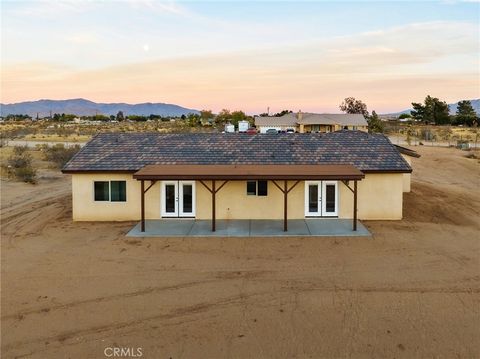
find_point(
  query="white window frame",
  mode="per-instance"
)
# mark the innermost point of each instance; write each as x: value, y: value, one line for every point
x: 109, y: 191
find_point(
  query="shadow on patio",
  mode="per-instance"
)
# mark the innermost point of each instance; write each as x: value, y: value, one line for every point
x: 310, y: 227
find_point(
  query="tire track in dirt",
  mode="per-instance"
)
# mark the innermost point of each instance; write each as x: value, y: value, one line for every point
x: 145, y: 291
x: 81, y: 335
x: 25, y: 220
x: 219, y: 277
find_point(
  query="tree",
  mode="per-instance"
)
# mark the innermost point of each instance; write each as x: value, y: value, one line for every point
x: 206, y: 116
x: 223, y: 116
x: 431, y: 111
x: 375, y: 125
x: 193, y: 119
x: 120, y: 116
x: 281, y: 113
x: 465, y: 115
x: 404, y: 115
x: 418, y: 112
x: 237, y: 116
x: 351, y: 105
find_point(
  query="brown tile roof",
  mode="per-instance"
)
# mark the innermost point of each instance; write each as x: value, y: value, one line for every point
x: 132, y: 151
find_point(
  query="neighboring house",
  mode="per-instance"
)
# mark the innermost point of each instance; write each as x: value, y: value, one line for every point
x: 132, y: 176
x: 311, y: 122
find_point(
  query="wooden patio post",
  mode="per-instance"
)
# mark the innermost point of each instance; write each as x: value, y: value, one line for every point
x: 285, y: 193
x: 355, y: 205
x: 213, y: 205
x: 142, y: 203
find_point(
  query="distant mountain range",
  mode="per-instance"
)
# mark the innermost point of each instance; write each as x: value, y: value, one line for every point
x: 84, y: 107
x: 451, y: 106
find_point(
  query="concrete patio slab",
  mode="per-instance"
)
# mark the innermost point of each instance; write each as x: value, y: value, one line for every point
x: 310, y: 227
x: 274, y: 228
x: 335, y: 227
x: 163, y: 228
x: 231, y: 228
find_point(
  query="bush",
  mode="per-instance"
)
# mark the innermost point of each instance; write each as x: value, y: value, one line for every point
x: 19, y: 165
x: 26, y: 174
x: 59, y: 154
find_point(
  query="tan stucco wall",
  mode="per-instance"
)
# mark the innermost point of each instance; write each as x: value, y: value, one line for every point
x: 86, y: 209
x: 407, y: 177
x: 379, y: 197
x: 232, y: 202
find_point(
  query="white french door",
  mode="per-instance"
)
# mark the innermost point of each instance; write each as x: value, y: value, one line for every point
x: 321, y: 199
x: 178, y: 199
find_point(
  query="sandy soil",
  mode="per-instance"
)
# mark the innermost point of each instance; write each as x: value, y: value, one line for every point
x: 70, y: 290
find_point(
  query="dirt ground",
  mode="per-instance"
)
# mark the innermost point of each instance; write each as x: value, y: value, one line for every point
x: 70, y: 290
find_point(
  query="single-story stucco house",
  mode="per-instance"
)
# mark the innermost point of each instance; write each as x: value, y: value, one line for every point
x: 137, y: 176
x: 304, y: 122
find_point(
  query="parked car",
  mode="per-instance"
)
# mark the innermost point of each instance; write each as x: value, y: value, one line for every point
x: 251, y: 131
x: 290, y: 130
x: 271, y: 130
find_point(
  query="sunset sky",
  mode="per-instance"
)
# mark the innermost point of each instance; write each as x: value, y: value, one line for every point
x: 241, y: 55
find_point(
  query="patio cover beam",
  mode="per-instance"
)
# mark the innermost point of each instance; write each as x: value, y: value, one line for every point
x: 355, y: 205
x: 249, y: 172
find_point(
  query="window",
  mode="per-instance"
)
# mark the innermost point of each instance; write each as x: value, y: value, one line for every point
x: 259, y: 188
x: 114, y: 191
x: 262, y: 188
x: 251, y: 188
x: 101, y: 191
x: 118, y: 191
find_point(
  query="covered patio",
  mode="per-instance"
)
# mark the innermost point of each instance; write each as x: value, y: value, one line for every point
x: 284, y: 177
x: 309, y: 227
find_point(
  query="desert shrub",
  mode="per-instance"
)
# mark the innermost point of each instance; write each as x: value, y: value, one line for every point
x: 19, y: 165
x: 26, y: 174
x: 59, y: 154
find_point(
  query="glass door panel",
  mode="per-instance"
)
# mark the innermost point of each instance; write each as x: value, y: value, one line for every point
x: 187, y: 198
x: 313, y: 198
x: 330, y: 198
x: 169, y: 199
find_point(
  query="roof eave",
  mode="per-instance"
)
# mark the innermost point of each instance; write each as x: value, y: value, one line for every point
x: 93, y: 171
